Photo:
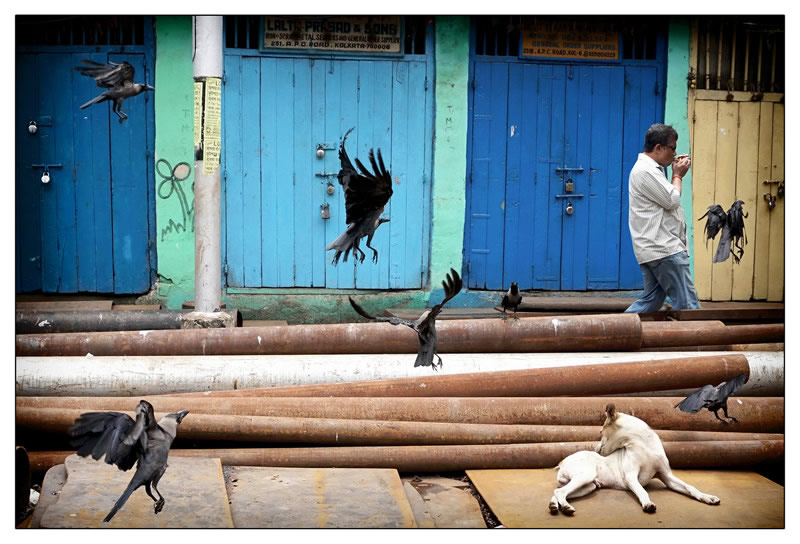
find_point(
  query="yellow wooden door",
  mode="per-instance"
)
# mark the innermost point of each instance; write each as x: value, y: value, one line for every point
x: 738, y: 145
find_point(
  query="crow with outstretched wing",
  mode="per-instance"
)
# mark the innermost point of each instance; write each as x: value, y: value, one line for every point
x: 425, y: 325
x: 126, y: 442
x: 713, y: 398
x: 366, y: 195
x: 117, y: 78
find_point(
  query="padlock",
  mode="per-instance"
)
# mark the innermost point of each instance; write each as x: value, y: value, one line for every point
x: 331, y: 189
x: 570, y: 209
x: 325, y: 211
x: 569, y: 186
x: 781, y: 190
x: 770, y: 198
x: 46, y: 177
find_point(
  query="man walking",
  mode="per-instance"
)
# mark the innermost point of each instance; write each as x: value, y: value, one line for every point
x: 658, y: 228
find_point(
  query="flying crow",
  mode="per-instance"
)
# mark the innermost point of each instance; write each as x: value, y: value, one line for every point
x: 117, y: 78
x: 512, y: 299
x: 126, y: 442
x: 713, y: 398
x: 365, y: 196
x: 425, y: 325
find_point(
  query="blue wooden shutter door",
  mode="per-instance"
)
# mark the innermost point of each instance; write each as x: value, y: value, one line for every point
x: 276, y: 112
x: 525, y: 126
x: 87, y: 230
x: 487, y: 183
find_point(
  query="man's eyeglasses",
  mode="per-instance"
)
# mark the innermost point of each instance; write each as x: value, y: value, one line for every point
x: 672, y: 147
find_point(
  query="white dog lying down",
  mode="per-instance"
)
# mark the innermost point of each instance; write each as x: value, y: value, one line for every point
x: 629, y: 455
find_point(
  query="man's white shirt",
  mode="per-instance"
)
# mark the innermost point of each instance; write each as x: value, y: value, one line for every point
x: 655, y: 216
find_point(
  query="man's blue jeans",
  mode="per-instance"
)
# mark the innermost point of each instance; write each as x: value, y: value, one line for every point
x: 671, y: 277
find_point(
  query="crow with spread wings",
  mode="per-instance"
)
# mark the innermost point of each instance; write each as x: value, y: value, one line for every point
x: 117, y: 78
x: 126, y: 442
x: 425, y: 325
x: 365, y: 196
x: 713, y: 398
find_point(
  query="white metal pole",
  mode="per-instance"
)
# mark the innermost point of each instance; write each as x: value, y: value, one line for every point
x: 207, y: 65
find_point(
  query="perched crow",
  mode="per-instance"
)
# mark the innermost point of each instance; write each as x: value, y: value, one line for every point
x: 126, y: 442
x: 716, y: 220
x: 365, y: 196
x: 425, y: 325
x: 512, y: 299
x: 713, y: 398
x: 117, y: 78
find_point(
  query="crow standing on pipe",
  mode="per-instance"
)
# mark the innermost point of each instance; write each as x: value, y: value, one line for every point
x: 713, y: 398
x: 126, y: 442
x: 365, y: 196
x: 511, y: 299
x: 117, y: 78
x: 425, y: 325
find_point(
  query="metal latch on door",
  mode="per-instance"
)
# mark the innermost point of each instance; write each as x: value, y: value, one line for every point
x: 569, y: 209
x: 769, y: 197
x: 46, y: 170
x: 322, y: 148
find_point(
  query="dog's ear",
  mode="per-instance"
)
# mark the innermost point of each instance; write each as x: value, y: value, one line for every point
x: 611, y: 411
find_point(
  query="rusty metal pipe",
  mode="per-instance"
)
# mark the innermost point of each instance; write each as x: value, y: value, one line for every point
x: 38, y: 322
x: 461, y: 457
x: 359, y: 432
x: 653, y: 337
x: 755, y: 414
x: 615, y: 332
x: 582, y: 380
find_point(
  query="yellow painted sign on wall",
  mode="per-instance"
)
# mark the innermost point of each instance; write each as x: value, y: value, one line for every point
x: 354, y: 34
x: 567, y: 40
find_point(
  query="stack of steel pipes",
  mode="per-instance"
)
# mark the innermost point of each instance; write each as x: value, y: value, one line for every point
x: 428, y: 422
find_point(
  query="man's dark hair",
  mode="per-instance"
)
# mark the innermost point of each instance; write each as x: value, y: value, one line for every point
x: 658, y: 134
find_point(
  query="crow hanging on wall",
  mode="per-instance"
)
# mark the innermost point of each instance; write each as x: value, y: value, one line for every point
x: 365, y: 196
x: 117, y: 78
x: 731, y: 225
x: 425, y: 325
x: 736, y: 224
x: 716, y: 220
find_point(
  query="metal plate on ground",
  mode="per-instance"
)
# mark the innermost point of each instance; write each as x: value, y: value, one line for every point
x: 281, y: 497
x: 520, y: 498
x: 192, y: 487
x: 448, y: 502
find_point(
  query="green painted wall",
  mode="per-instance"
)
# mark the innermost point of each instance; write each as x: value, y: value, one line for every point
x: 676, y: 112
x: 174, y: 143
x: 449, y: 147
